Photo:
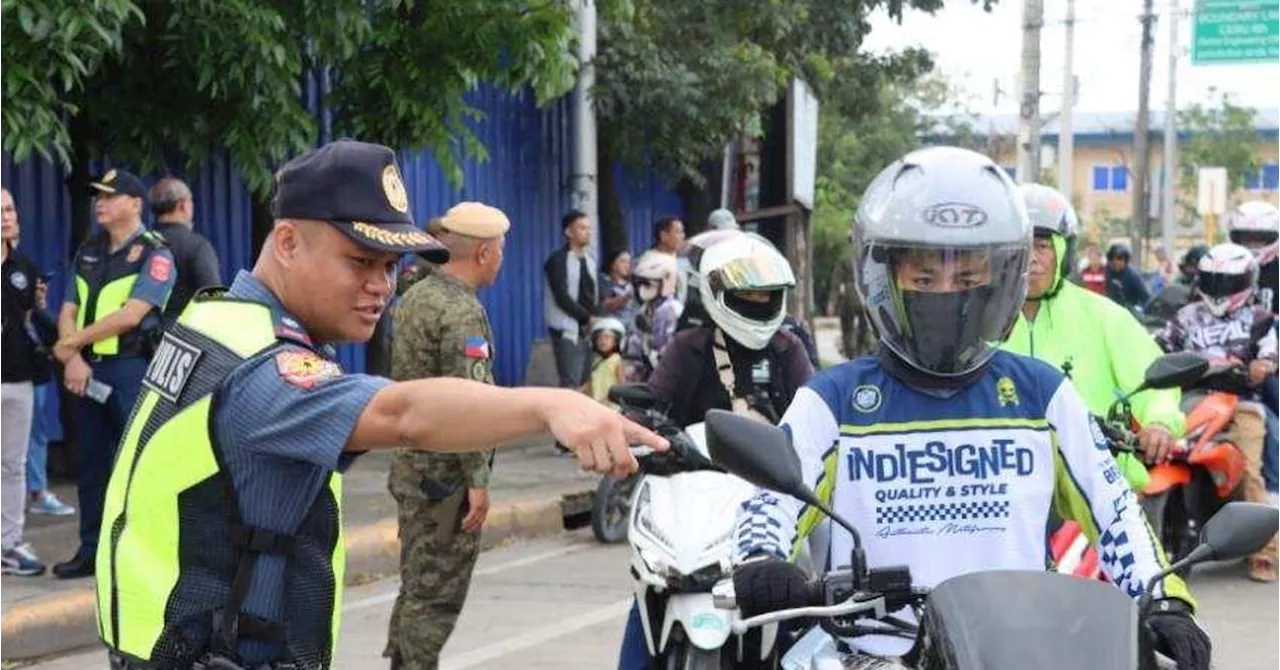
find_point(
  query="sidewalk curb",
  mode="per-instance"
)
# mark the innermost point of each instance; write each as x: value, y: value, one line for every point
x: 66, y: 621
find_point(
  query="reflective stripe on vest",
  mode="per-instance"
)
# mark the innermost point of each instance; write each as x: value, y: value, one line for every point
x: 167, y: 510
x: 107, y: 301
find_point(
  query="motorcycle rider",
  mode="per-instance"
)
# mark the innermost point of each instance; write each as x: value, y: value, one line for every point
x: 740, y: 360
x: 1227, y: 323
x: 655, y: 275
x: 892, y: 442
x: 1115, y: 357
x: 1124, y: 284
x: 1256, y: 227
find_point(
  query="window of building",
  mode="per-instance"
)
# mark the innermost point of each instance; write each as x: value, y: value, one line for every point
x: 1110, y: 178
x: 1265, y: 179
x: 1271, y: 177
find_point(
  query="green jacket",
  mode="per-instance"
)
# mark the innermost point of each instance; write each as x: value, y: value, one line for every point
x: 1108, y: 351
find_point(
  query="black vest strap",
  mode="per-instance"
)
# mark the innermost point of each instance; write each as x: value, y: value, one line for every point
x: 229, y: 623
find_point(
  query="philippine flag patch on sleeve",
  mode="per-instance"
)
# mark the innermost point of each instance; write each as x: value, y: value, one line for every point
x: 476, y: 347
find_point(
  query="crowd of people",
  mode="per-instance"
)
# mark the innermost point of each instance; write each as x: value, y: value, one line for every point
x: 129, y: 281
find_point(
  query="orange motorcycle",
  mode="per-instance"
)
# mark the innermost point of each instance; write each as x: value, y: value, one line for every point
x: 1207, y: 469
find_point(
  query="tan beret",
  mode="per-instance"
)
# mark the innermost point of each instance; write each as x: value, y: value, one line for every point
x: 475, y: 219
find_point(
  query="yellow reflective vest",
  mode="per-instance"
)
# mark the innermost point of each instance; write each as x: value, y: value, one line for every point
x: 174, y: 561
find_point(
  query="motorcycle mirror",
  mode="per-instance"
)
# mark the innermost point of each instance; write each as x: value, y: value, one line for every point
x: 1174, y: 370
x: 757, y: 452
x: 762, y: 454
x: 1239, y: 529
x: 633, y: 394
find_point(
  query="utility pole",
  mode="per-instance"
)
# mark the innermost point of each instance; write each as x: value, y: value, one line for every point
x: 1029, y: 112
x: 1066, y: 137
x: 1141, y: 144
x: 1168, y: 216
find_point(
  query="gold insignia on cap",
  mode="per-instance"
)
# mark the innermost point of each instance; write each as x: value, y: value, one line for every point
x: 475, y: 219
x: 393, y: 187
x: 109, y: 177
x: 393, y: 238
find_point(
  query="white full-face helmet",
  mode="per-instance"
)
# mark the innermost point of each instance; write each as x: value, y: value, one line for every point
x: 732, y: 272
x: 1228, y: 277
x: 654, y: 274
x: 1256, y: 226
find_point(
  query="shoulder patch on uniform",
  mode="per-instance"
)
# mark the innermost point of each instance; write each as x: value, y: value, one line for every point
x: 305, y: 369
x: 476, y: 347
x: 867, y: 398
x: 171, y: 367
x: 19, y: 280
x: 160, y: 268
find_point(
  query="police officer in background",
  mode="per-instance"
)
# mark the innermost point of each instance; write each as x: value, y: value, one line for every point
x: 442, y: 330
x: 110, y: 315
x: 197, y: 263
x: 222, y: 540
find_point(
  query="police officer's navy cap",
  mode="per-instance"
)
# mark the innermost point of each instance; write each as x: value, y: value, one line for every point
x: 116, y: 181
x: 356, y: 186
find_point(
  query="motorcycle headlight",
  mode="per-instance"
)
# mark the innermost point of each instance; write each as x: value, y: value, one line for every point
x: 643, y: 523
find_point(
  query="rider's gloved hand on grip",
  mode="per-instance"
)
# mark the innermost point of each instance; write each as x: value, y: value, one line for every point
x: 766, y: 584
x: 1180, y: 637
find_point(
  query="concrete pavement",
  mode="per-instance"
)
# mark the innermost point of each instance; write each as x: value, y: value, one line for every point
x: 533, y: 490
x: 560, y: 602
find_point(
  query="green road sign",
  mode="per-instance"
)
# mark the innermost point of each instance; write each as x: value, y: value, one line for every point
x: 1231, y: 32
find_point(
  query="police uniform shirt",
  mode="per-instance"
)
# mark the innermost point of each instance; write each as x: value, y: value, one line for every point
x: 94, y: 261
x: 282, y: 426
x: 19, y: 353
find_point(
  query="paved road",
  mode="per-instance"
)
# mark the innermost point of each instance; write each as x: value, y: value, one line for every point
x: 560, y: 602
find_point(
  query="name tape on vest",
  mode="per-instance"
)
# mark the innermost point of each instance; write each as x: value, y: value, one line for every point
x: 171, y: 367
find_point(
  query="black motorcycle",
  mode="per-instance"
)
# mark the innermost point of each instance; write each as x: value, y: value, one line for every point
x: 1044, y: 620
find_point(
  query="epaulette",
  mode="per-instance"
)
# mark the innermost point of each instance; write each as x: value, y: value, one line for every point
x: 155, y: 238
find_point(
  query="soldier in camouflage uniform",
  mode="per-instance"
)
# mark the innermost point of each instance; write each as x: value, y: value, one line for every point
x: 441, y: 330
x: 856, y: 338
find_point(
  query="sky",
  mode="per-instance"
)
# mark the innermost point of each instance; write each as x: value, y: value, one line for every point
x: 976, y: 49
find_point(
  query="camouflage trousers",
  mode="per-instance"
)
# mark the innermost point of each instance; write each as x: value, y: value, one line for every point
x: 436, y: 560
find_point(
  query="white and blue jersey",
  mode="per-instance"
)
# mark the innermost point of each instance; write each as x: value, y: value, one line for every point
x: 949, y: 486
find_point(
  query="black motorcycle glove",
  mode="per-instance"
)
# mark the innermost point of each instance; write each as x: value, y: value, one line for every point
x: 1178, y: 636
x: 766, y: 584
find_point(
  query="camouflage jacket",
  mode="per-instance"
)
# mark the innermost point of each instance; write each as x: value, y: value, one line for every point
x: 441, y: 330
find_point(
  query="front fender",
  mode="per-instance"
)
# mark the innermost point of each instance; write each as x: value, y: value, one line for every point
x: 704, y: 625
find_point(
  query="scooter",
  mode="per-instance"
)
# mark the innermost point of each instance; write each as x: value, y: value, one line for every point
x: 681, y: 533
x: 1207, y: 470
x: 994, y: 620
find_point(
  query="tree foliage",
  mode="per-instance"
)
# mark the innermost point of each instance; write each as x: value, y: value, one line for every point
x: 1220, y: 134
x: 852, y: 150
x: 165, y: 83
x: 407, y: 86
x: 677, y: 80
x: 50, y: 48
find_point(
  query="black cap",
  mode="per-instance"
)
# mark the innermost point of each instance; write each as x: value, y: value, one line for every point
x: 356, y: 186
x: 117, y: 181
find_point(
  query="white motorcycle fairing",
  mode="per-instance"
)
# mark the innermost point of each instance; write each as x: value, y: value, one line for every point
x: 681, y: 534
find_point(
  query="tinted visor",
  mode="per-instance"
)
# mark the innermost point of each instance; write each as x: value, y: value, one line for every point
x: 1254, y: 238
x: 943, y: 310
x: 1220, y: 285
x: 757, y: 272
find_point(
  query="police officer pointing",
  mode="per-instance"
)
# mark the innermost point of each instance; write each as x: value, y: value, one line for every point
x: 222, y: 537
x: 110, y: 312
